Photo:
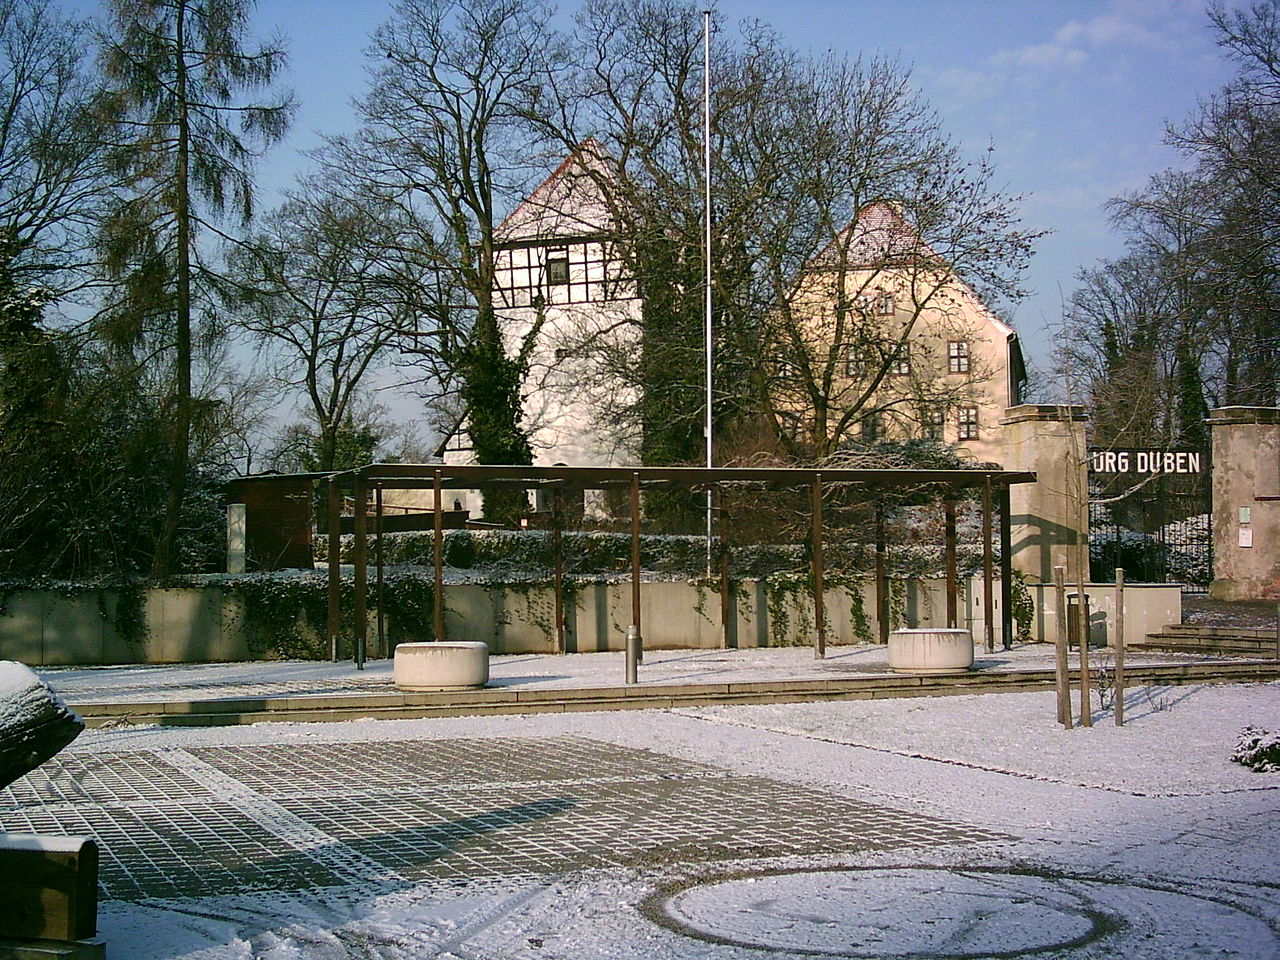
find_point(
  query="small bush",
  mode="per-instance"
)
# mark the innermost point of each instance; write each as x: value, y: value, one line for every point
x: 1258, y: 750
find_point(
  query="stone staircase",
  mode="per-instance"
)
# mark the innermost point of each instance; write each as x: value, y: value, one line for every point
x: 1247, y: 642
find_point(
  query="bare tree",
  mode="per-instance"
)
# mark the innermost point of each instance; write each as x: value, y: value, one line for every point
x: 444, y: 138
x: 322, y: 287
x: 53, y: 178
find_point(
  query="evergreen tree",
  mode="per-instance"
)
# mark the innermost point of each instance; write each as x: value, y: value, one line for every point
x: 185, y: 147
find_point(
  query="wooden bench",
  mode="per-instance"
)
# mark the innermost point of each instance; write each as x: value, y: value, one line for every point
x: 48, y: 897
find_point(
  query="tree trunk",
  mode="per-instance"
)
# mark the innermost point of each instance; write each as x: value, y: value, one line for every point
x: 180, y: 441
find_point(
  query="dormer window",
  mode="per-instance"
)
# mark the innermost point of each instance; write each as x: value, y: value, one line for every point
x: 557, y: 266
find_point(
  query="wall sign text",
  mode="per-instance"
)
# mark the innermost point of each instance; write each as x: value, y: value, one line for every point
x: 1143, y: 462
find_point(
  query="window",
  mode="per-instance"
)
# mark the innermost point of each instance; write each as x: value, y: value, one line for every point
x: 872, y: 429
x: 968, y: 423
x: 900, y: 364
x: 557, y: 266
x: 853, y: 365
x: 932, y: 421
x: 878, y: 303
x: 957, y: 356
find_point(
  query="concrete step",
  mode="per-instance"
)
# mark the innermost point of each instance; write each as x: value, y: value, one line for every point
x: 1262, y: 647
x: 1198, y: 630
x: 509, y: 700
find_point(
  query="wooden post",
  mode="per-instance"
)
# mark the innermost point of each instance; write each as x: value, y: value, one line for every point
x: 882, y: 578
x: 949, y: 523
x: 1118, y: 685
x: 1006, y: 568
x: 438, y: 610
x: 360, y: 557
x: 726, y: 587
x: 335, y: 566
x: 557, y: 543
x: 988, y: 579
x: 635, y: 573
x: 382, y: 650
x: 1082, y: 636
x: 1062, y: 680
x: 819, y: 611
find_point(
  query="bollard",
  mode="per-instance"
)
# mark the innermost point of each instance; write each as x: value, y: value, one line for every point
x: 633, y: 652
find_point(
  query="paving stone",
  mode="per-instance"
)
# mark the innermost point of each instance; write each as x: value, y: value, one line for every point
x: 235, y: 819
x: 283, y: 770
x: 171, y: 850
x: 102, y: 778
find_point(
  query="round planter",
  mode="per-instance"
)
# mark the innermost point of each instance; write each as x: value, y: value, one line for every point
x: 931, y: 650
x: 441, y: 665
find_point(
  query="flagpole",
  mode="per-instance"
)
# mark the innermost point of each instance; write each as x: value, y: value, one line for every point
x: 706, y: 204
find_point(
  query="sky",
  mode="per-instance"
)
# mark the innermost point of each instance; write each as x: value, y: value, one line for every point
x: 1074, y: 97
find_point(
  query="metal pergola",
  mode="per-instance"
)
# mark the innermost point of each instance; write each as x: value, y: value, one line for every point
x: 994, y: 486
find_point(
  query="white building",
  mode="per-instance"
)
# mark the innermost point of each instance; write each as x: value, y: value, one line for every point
x: 556, y: 265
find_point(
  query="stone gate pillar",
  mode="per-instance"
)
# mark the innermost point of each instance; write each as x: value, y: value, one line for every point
x: 1246, y: 503
x: 1050, y: 517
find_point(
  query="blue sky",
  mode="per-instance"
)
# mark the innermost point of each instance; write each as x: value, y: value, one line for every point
x: 1073, y: 95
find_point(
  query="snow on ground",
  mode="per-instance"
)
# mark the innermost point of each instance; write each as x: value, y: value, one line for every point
x: 1146, y: 835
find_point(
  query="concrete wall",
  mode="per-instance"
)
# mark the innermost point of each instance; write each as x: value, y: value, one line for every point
x: 1050, y: 517
x: 1147, y: 609
x: 54, y: 628
x: 1246, y: 503
x: 192, y: 625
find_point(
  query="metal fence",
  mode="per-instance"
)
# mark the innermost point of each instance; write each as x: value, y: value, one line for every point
x: 1159, y: 531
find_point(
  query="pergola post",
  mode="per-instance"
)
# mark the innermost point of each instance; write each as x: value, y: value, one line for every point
x: 438, y: 604
x: 949, y: 547
x: 882, y: 577
x: 819, y: 612
x: 334, y: 518
x: 1006, y: 568
x: 377, y: 560
x: 727, y: 631
x: 988, y: 579
x: 361, y: 560
x: 557, y: 520
x: 635, y: 638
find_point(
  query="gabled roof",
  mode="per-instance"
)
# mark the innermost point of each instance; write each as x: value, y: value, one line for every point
x: 877, y: 235
x: 569, y: 203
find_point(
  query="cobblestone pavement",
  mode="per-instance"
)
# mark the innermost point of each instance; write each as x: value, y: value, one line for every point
x: 205, y: 821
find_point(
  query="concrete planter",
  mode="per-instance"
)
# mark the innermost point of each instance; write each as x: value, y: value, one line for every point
x: 441, y: 665
x: 933, y: 650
